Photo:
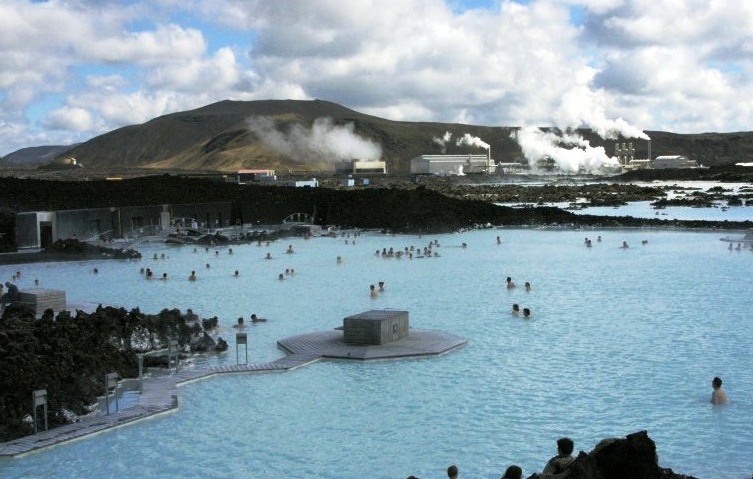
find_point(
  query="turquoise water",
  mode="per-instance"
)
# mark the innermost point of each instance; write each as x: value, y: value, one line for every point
x: 621, y: 340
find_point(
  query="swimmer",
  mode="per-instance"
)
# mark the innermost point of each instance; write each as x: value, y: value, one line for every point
x: 217, y: 252
x: 162, y: 256
x: 240, y: 324
x: 588, y: 244
x: 292, y: 271
x: 281, y: 277
x: 515, y: 310
x: 499, y: 241
x: 236, y: 274
x: 526, y: 313
x: 624, y: 245
x: 256, y: 319
x: 155, y: 256
x: 269, y: 256
x: 598, y: 239
x: 95, y: 271
x: 528, y: 286
x: 644, y: 242
x: 141, y: 271
x: 464, y: 245
x: 36, y: 282
x: 510, y: 283
x: 194, y: 250
x: 373, y: 291
x: 718, y: 396
x: 290, y: 249
x: 381, y: 286
x: 207, y: 265
x: 339, y: 260
x: 193, y: 276
x: 230, y: 251
x: 164, y: 277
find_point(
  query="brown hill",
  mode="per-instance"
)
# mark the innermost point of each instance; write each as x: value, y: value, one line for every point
x: 217, y: 137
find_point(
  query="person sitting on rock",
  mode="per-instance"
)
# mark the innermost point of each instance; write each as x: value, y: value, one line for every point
x: 558, y: 463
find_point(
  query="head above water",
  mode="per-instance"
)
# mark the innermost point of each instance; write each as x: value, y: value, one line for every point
x: 565, y: 446
x: 513, y: 472
x: 716, y: 383
x: 452, y: 471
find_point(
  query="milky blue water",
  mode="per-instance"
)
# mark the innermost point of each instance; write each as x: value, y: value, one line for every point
x: 621, y: 340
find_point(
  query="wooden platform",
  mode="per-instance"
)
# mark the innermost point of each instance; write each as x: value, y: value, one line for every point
x: 160, y: 395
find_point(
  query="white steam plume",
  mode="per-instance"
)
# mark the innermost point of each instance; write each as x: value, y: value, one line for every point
x: 471, y: 140
x: 323, y: 142
x: 584, y: 107
x: 580, y: 107
x: 571, y: 152
x: 442, y: 142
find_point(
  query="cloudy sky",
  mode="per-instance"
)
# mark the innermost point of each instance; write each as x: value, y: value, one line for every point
x: 70, y: 70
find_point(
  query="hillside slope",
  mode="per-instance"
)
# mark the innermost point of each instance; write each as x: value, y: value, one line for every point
x: 218, y: 137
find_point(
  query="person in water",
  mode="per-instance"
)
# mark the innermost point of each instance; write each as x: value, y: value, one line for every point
x: 510, y: 283
x: 513, y: 472
x: 240, y: 324
x: 193, y: 276
x: 526, y: 313
x: 718, y: 396
x: 515, y: 310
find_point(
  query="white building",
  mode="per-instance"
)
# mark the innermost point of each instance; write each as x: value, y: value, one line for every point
x: 451, y: 164
x: 361, y: 167
x: 674, y: 161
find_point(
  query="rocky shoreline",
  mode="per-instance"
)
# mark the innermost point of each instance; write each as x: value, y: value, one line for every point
x: 413, y: 205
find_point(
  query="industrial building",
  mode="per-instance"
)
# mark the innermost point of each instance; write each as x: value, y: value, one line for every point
x: 674, y: 161
x: 452, y: 164
x: 361, y: 167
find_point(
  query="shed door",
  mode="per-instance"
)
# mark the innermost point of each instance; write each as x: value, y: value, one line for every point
x: 45, y: 234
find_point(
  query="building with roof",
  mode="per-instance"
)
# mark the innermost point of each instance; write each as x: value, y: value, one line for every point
x: 451, y: 164
x: 674, y: 161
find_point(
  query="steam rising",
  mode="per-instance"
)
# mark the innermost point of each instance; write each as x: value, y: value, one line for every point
x: 570, y: 151
x: 471, y: 140
x: 324, y: 141
x: 442, y: 142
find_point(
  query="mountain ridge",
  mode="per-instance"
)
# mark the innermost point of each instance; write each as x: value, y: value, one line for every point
x: 218, y: 137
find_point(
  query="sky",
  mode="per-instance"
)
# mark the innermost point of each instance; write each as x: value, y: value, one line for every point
x: 72, y: 70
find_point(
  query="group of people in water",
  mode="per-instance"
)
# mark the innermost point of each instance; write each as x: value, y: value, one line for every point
x: 516, y: 311
x: 411, y: 252
x: 556, y: 467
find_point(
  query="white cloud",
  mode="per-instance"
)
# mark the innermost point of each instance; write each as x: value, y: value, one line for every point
x: 69, y: 119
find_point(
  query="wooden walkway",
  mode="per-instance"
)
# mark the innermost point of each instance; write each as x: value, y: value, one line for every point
x: 160, y: 395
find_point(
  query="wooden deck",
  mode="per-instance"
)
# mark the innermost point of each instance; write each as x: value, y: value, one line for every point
x: 160, y: 394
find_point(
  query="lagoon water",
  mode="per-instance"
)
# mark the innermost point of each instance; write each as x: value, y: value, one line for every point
x: 621, y: 340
